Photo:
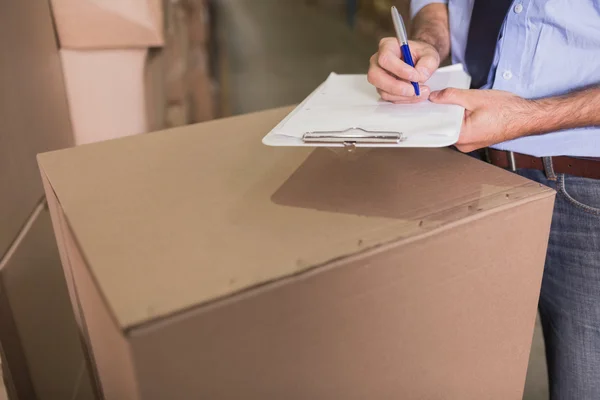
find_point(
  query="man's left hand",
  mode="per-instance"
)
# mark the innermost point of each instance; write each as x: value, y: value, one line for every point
x: 491, y: 116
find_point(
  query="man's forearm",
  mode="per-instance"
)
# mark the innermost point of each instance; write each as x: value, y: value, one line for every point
x: 430, y: 25
x: 574, y: 110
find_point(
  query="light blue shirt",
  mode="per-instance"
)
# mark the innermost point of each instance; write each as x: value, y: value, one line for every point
x: 546, y: 48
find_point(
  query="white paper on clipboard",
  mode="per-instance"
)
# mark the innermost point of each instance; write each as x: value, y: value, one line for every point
x: 348, y: 106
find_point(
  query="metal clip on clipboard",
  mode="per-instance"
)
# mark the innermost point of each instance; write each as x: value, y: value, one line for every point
x: 350, y: 138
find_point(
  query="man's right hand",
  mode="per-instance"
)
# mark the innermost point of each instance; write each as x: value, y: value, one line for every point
x: 392, y: 76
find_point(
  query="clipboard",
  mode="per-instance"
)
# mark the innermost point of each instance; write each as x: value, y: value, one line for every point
x: 346, y: 111
x: 353, y: 136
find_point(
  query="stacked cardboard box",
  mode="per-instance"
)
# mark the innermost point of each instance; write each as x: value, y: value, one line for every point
x: 42, y: 356
x: 103, y: 47
x: 136, y: 66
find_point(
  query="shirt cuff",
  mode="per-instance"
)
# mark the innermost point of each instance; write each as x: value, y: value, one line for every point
x: 417, y: 5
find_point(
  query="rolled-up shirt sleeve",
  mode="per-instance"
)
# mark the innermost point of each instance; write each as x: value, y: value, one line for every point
x: 417, y: 5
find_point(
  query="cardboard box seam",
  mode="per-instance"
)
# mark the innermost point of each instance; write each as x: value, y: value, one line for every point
x: 157, y: 322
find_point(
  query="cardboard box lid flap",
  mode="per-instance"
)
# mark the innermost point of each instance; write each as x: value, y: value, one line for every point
x: 178, y: 218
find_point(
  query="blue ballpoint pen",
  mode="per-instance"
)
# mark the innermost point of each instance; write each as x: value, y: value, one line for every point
x: 403, y: 40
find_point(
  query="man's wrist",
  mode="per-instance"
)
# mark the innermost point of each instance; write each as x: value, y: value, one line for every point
x: 430, y: 25
x: 527, y: 118
x: 574, y: 110
x: 431, y: 40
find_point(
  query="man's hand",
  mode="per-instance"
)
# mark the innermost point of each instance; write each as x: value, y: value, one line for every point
x: 392, y: 76
x: 491, y: 116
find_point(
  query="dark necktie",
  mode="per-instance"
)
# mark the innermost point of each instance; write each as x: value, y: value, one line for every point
x: 486, y: 21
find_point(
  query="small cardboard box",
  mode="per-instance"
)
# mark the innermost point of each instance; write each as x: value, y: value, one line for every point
x: 108, y: 24
x: 206, y: 265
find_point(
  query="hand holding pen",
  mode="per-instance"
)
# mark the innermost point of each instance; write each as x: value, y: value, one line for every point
x: 403, y: 42
x: 397, y: 78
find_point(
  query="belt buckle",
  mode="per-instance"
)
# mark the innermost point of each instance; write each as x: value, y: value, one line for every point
x: 512, y: 164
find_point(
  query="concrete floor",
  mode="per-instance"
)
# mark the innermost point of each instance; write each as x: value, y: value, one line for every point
x: 536, y: 387
x: 275, y: 52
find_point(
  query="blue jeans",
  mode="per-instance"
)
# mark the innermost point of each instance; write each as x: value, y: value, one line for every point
x: 569, y: 303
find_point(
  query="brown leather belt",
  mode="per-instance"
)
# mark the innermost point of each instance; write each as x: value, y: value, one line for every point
x: 583, y: 167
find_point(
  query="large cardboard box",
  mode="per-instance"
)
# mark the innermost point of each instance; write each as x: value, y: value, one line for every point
x: 206, y: 265
x: 108, y: 24
x: 41, y: 343
x: 33, y: 109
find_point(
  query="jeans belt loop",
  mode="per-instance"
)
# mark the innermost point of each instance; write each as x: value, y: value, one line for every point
x: 549, y: 168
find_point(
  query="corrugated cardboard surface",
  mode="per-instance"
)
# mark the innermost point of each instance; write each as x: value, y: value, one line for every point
x: 108, y: 24
x: 214, y: 265
x: 41, y: 340
x: 34, y: 116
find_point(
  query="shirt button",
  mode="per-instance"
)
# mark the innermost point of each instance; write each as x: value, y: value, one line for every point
x: 507, y: 75
x: 519, y: 8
